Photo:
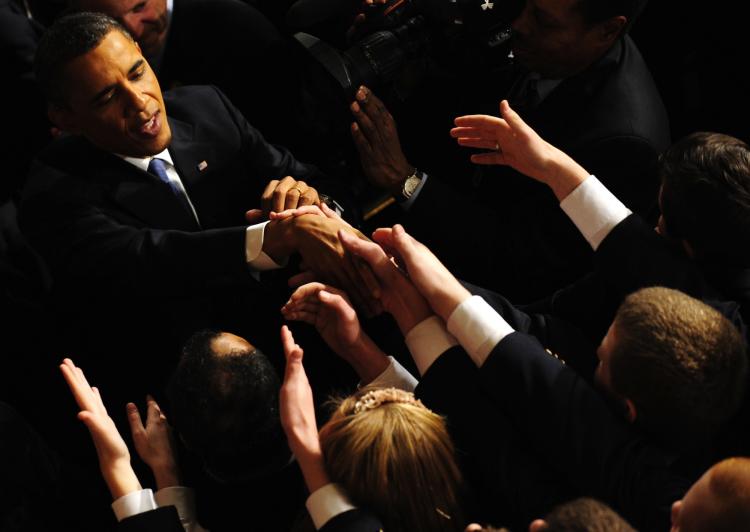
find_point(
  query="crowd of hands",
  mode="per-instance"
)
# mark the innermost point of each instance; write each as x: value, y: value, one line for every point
x: 391, y: 273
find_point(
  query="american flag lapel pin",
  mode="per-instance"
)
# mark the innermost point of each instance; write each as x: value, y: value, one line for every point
x: 202, y: 165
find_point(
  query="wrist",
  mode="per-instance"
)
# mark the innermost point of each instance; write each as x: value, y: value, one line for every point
x: 367, y: 360
x: 279, y: 239
x: 120, y: 479
x: 166, y: 476
x: 449, y: 299
x: 313, y: 470
x: 566, y: 176
x: 399, y: 178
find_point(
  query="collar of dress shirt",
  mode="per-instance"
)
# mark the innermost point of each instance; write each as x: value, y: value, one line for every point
x: 142, y: 162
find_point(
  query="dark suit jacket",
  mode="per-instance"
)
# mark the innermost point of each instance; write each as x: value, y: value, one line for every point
x: 581, y: 446
x: 506, y: 231
x: 132, y: 270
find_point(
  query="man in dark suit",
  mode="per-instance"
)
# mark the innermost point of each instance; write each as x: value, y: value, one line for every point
x: 147, y: 257
x: 583, y: 83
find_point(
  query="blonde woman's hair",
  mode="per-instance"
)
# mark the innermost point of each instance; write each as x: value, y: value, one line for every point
x: 395, y: 457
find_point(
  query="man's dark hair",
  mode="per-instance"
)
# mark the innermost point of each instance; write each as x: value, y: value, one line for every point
x: 595, y: 11
x: 69, y: 37
x: 680, y: 362
x: 225, y: 408
x: 705, y: 197
x: 585, y: 515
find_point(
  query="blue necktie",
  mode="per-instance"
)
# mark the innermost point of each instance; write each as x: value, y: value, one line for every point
x: 157, y: 168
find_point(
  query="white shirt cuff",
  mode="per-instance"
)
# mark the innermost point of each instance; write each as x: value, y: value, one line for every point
x: 594, y: 210
x: 254, y: 254
x: 395, y: 376
x: 427, y: 341
x: 183, y: 498
x: 326, y: 503
x: 406, y: 205
x: 135, y: 502
x: 478, y: 328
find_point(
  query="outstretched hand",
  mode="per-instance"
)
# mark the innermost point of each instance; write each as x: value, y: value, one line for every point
x: 513, y: 143
x: 399, y: 296
x: 111, y: 450
x: 432, y: 279
x: 297, y: 412
x: 154, y: 442
x: 329, y: 310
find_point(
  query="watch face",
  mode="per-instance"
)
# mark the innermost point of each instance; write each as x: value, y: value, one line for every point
x: 411, y: 185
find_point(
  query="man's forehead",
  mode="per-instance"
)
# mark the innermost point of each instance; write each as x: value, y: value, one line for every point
x: 556, y: 8
x: 115, y: 52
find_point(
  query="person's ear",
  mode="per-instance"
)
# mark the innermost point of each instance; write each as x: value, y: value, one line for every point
x: 630, y: 411
x: 63, y: 118
x: 537, y: 525
x: 610, y: 29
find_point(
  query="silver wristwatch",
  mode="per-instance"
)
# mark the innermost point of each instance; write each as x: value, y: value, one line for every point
x: 410, y: 185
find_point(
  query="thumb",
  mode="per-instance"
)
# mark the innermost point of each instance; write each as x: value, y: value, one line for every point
x: 254, y: 216
x: 343, y: 310
x: 513, y: 119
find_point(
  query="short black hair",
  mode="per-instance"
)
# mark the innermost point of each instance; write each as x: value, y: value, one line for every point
x: 595, y: 11
x: 69, y: 37
x: 226, y: 410
x: 705, y: 197
x: 585, y: 515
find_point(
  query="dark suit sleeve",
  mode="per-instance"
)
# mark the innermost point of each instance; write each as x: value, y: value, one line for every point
x: 357, y: 520
x: 164, y: 519
x: 511, y: 484
x: 632, y: 256
x: 570, y: 424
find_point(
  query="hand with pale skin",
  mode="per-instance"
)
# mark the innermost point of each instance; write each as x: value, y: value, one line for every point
x: 111, y: 450
x: 315, y: 233
x: 399, y: 296
x: 329, y: 310
x: 515, y: 144
x: 376, y: 138
x: 154, y: 443
x: 297, y: 412
x: 440, y: 288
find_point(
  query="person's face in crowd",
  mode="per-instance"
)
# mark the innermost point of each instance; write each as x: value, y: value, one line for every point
x: 691, y: 512
x: 551, y: 37
x: 114, y: 100
x: 146, y: 20
x: 603, y: 373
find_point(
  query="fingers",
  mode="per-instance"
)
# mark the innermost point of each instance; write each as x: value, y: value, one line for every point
x: 288, y: 193
x: 254, y: 216
x: 338, y: 304
x: 79, y: 387
x: 368, y: 251
x: 480, y: 122
x: 330, y: 213
x: 134, y: 420
x: 360, y: 141
x: 292, y: 351
x: 288, y: 213
x: 482, y: 144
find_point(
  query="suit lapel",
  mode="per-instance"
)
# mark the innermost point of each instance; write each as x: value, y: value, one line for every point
x: 142, y: 195
x: 195, y: 160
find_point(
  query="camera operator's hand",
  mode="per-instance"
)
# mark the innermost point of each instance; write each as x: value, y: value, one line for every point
x: 376, y: 138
